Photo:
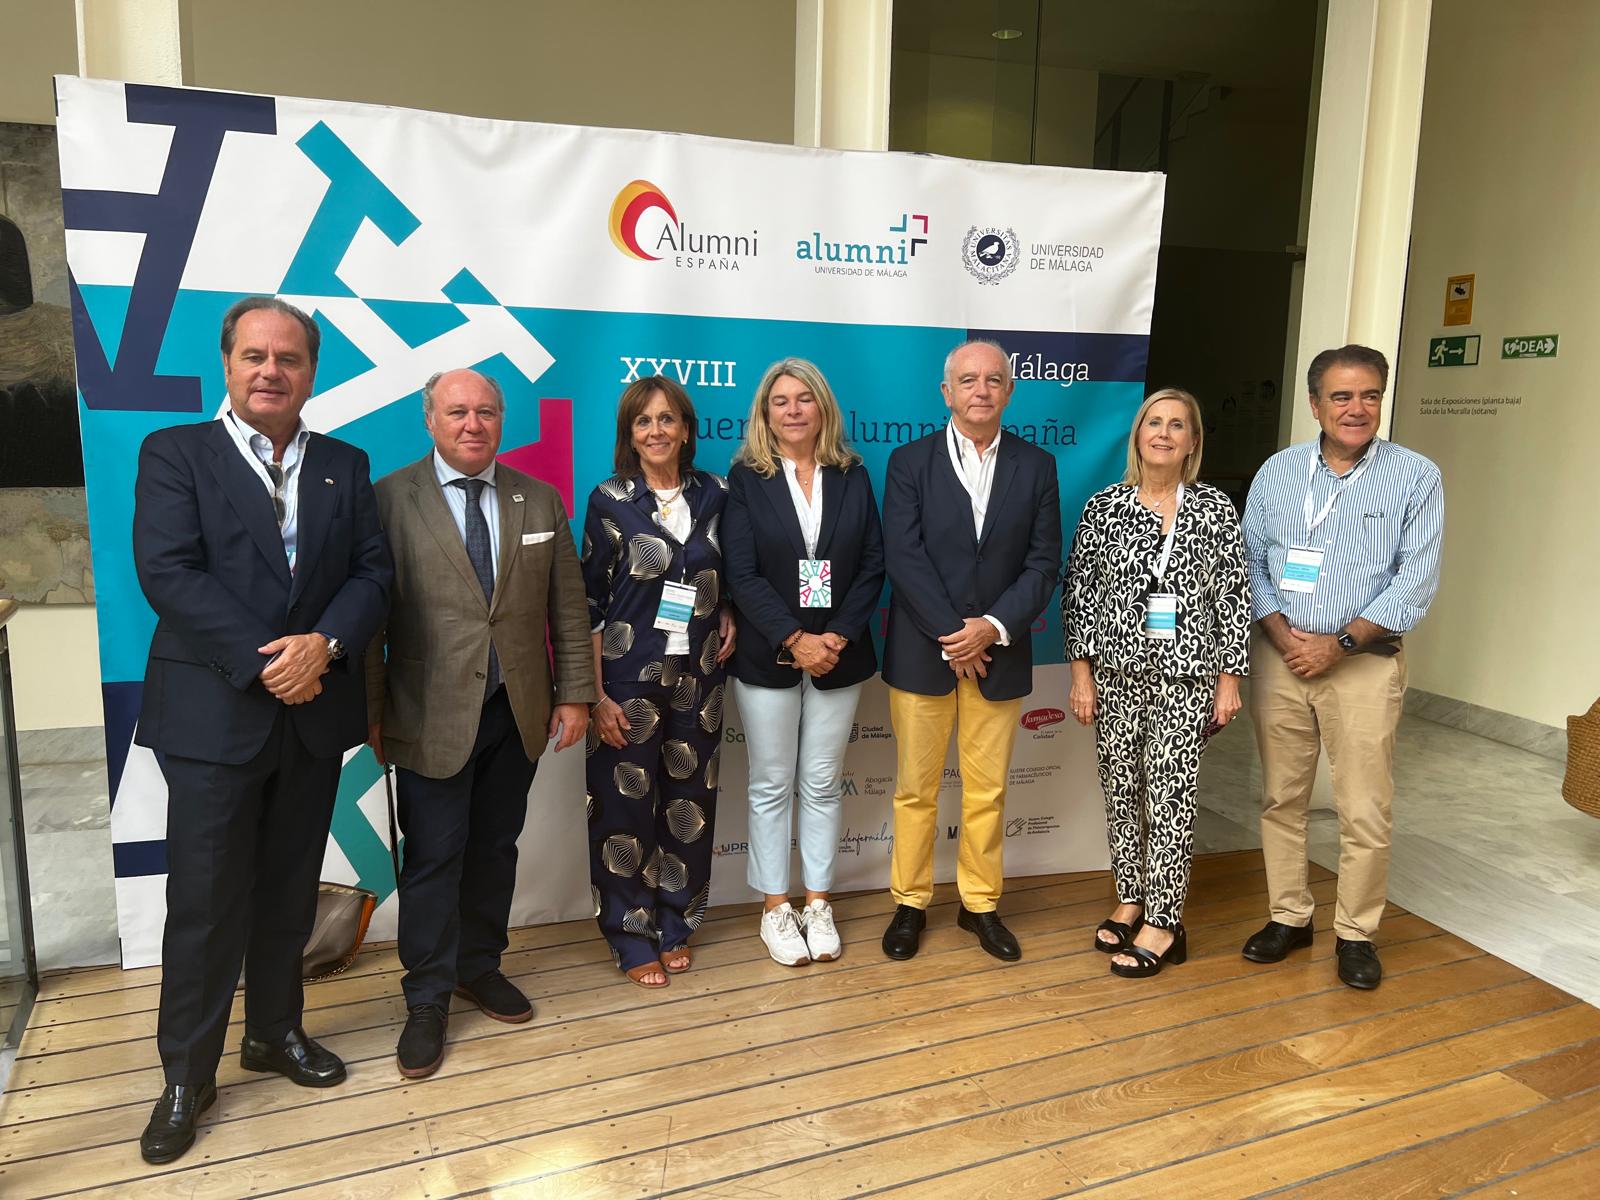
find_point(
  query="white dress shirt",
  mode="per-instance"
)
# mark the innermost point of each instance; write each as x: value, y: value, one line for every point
x: 809, y: 511
x: 256, y: 448
x: 456, y: 498
x: 975, y: 470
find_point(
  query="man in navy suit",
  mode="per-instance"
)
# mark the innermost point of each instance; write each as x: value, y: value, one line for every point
x: 258, y: 546
x: 972, y: 542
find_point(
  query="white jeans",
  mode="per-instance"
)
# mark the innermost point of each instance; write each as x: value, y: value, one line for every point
x: 794, y: 735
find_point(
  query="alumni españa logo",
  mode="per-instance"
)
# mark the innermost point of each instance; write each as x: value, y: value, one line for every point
x: 645, y: 227
x: 632, y: 202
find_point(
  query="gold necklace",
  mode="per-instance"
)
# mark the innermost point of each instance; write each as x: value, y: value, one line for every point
x: 664, y: 503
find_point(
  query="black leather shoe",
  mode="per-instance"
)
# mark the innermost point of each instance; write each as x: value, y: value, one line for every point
x: 498, y: 997
x: 171, y: 1128
x: 296, y: 1057
x: 1273, y: 941
x: 993, y: 936
x: 421, y: 1047
x: 1358, y: 963
x: 904, y: 934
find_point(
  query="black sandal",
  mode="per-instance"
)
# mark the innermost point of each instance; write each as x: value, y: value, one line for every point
x: 1124, y: 935
x: 1148, y: 962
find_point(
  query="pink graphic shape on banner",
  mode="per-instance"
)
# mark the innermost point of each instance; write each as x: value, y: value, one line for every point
x: 550, y: 458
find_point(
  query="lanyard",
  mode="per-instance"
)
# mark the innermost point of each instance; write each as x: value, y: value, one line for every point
x: 1166, y: 545
x: 1312, y: 523
x: 809, y: 512
x: 979, y: 495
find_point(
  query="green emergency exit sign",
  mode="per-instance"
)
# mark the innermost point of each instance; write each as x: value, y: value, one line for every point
x: 1538, y: 345
x: 1459, y: 351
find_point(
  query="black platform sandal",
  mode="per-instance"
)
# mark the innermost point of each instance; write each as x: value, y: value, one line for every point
x: 1124, y: 933
x: 1149, y: 962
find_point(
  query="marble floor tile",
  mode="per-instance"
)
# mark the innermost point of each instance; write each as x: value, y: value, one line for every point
x: 63, y: 796
x: 1483, y: 844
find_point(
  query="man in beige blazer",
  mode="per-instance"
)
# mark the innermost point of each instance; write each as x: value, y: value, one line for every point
x: 466, y: 697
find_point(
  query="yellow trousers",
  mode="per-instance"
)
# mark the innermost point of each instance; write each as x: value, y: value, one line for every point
x: 985, y: 731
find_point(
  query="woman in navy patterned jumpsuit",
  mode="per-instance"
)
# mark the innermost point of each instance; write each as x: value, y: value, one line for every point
x: 652, y: 567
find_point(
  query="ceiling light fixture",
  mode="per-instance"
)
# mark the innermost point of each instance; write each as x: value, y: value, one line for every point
x: 1006, y: 35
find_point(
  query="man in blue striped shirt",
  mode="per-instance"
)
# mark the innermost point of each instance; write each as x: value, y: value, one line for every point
x: 1342, y: 535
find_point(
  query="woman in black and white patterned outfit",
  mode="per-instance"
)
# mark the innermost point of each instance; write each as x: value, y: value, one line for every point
x: 1156, y: 609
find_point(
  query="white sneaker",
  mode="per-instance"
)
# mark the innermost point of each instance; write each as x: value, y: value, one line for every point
x: 780, y: 930
x: 822, y: 939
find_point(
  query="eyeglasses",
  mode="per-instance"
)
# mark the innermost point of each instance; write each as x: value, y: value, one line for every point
x: 279, y: 506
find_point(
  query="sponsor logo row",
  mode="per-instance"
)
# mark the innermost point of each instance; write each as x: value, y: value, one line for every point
x: 646, y: 227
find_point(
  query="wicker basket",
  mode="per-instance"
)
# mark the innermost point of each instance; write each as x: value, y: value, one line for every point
x: 1581, y: 788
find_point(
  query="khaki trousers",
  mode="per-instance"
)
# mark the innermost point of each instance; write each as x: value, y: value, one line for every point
x: 922, y: 727
x: 1353, y: 711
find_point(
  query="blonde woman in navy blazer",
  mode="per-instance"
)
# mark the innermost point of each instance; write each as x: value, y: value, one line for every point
x: 797, y: 495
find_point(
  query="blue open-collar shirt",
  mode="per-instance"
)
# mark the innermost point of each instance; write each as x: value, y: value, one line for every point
x: 1380, y: 540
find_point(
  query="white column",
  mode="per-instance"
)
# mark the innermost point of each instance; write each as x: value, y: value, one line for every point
x: 141, y: 41
x: 1369, y: 116
x: 841, y: 73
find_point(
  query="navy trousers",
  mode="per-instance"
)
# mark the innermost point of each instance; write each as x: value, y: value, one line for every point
x: 244, y: 850
x: 460, y: 859
x: 652, y: 805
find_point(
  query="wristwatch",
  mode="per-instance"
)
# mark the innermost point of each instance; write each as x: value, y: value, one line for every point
x: 335, y: 648
x: 1347, y: 641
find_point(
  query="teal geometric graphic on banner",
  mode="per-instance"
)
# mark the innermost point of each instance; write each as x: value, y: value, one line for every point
x: 354, y: 195
x: 108, y: 310
x: 354, y: 834
x: 417, y: 321
x: 340, y: 359
x: 465, y: 289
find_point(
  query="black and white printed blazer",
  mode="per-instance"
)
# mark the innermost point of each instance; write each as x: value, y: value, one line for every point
x: 1111, y: 574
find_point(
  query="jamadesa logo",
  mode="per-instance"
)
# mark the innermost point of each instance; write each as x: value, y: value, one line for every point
x: 1040, y: 717
x: 632, y: 202
x: 645, y: 226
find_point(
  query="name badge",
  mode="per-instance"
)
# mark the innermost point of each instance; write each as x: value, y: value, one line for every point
x: 677, y: 606
x: 1161, y: 618
x: 816, y: 583
x: 1301, y: 569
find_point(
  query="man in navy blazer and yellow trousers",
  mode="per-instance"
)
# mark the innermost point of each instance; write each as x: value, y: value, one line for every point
x: 257, y: 544
x: 972, y: 542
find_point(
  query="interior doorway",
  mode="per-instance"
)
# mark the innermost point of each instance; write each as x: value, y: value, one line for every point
x: 1217, y: 94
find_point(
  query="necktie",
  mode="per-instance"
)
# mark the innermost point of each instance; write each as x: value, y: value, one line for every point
x: 482, y: 560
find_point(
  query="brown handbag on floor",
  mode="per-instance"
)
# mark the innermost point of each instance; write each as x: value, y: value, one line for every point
x: 342, y: 916
x: 343, y: 913
x: 1581, y: 788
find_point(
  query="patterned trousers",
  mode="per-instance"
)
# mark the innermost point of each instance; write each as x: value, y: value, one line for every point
x: 1148, y: 743
x: 651, y: 808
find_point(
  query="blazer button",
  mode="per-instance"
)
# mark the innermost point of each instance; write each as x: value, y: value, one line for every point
x: 477, y: 674
x: 491, y: 620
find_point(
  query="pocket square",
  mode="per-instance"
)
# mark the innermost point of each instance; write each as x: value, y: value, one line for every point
x: 533, y: 539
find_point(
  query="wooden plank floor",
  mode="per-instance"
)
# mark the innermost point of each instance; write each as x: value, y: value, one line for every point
x: 951, y: 1075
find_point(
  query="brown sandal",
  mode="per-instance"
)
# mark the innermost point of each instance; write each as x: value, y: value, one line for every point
x: 637, y: 975
x: 682, y: 952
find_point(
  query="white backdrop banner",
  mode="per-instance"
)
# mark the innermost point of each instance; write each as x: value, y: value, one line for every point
x: 567, y: 262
